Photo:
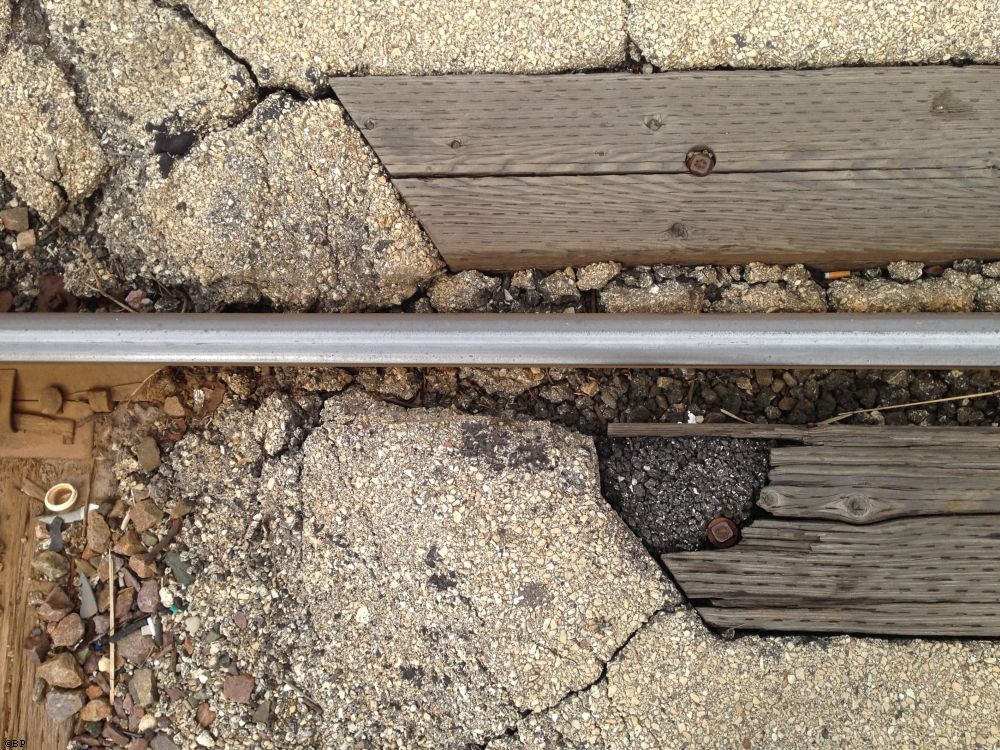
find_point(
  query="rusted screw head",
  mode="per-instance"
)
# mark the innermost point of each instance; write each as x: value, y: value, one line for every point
x: 722, y: 533
x: 700, y: 161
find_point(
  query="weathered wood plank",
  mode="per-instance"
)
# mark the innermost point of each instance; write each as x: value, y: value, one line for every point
x: 863, y: 507
x: 828, y: 219
x: 855, y: 435
x: 980, y: 621
x: 618, y: 123
x: 972, y: 456
x: 909, y: 576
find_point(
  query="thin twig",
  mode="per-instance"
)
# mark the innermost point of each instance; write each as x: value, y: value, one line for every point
x: 107, y: 296
x: 111, y: 626
x: 733, y: 416
x: 142, y: 385
x: 846, y: 414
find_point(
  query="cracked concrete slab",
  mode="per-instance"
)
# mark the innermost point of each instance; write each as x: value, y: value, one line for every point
x: 685, y: 34
x: 142, y: 69
x: 299, y: 44
x: 439, y: 574
x: 290, y: 206
x: 677, y: 685
x: 47, y: 149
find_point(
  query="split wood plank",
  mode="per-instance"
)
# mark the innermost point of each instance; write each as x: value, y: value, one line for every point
x: 862, y: 506
x: 837, y: 168
x: 620, y: 123
x: 830, y: 220
x: 912, y: 576
x: 852, y: 435
x: 946, y: 620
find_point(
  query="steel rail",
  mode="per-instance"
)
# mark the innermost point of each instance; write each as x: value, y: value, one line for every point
x: 596, y: 340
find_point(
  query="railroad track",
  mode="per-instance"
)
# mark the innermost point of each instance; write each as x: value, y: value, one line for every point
x: 593, y: 340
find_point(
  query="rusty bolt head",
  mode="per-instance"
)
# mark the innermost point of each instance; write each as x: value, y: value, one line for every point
x: 700, y: 161
x: 722, y: 533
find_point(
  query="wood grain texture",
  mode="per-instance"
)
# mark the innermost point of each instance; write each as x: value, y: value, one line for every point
x: 846, y: 435
x: 619, y: 123
x: 830, y: 220
x: 837, y: 168
x: 914, y: 576
x: 891, y: 530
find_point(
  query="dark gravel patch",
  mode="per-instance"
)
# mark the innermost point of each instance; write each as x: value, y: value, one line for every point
x: 668, y: 489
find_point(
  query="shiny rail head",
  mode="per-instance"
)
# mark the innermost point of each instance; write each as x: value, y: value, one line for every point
x: 968, y: 341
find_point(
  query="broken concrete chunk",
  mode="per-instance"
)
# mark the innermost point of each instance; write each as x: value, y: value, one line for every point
x: 167, y: 72
x: 462, y: 292
x: 596, y: 275
x: 48, y: 151
x: 312, y: 40
x: 289, y: 205
x: 62, y: 671
x: 666, y: 297
x: 952, y: 292
x: 559, y: 288
x: 509, y: 382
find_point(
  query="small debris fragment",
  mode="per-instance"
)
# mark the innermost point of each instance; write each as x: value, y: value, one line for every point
x: 15, y: 219
x: 148, y: 599
x: 146, y: 514
x: 26, y: 241
x: 50, y: 400
x: 68, y: 632
x: 55, y: 534
x: 142, y: 687
x: 163, y: 742
x: 98, y: 533
x: 238, y: 687
x: 173, y: 407
x: 99, y: 400
x: 96, y: 710
x: 60, y: 497
x: 147, y: 452
x: 56, y: 606
x: 62, y: 704
x: 184, y: 578
x: 50, y: 565
x: 61, y: 671
x: 88, y: 603
x: 205, y: 715
x: 36, y: 647
x: 262, y: 715
x: 129, y: 544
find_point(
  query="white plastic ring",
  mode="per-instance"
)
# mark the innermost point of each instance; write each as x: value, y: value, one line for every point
x: 60, y: 497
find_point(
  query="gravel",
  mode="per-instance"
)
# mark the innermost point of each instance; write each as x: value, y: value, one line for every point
x: 667, y: 490
x: 783, y: 34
